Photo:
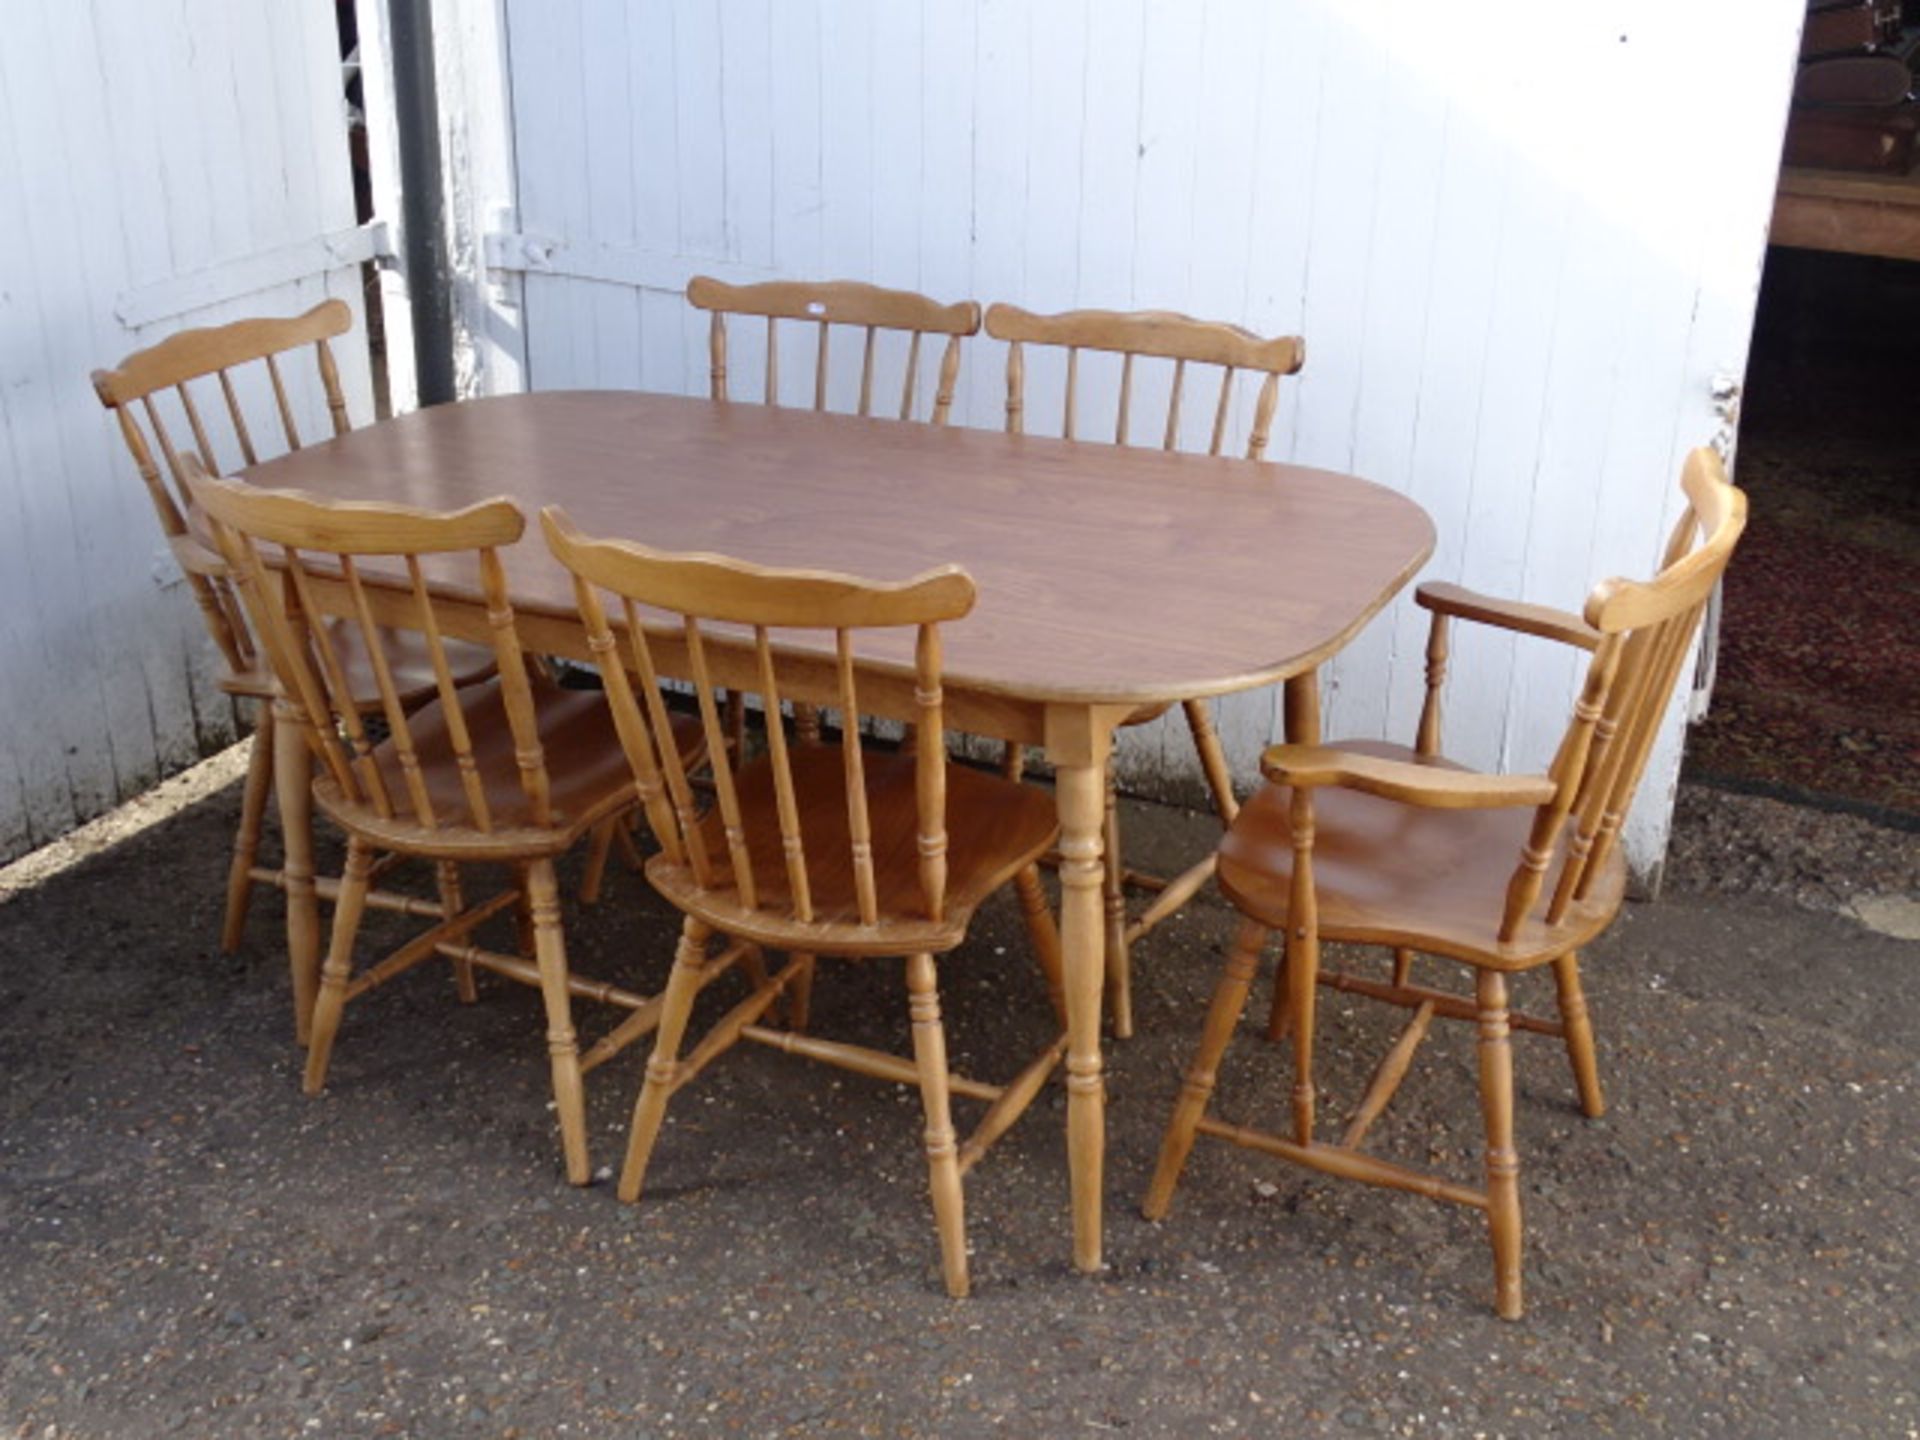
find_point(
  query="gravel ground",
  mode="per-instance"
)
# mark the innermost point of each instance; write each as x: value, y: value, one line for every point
x: 189, y: 1246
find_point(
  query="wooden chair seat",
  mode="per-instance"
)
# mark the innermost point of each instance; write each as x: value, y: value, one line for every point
x: 588, y: 777
x: 995, y: 828
x: 407, y: 657
x: 1392, y: 874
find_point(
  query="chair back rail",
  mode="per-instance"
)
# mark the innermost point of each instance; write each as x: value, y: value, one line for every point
x: 697, y: 593
x: 1155, y: 334
x: 1647, y: 630
x: 144, y: 386
x: 280, y: 546
x: 825, y: 304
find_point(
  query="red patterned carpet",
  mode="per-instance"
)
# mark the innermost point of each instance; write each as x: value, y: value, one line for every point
x: 1818, y: 696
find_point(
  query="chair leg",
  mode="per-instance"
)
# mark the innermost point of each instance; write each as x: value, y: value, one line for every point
x: 523, y: 912
x: 597, y: 852
x: 1402, y: 965
x: 1213, y: 760
x: 293, y: 794
x: 246, y: 840
x: 1044, y: 935
x: 1119, y: 968
x: 1503, y: 1163
x: 332, y: 999
x: 1573, y: 1015
x: 1223, y: 1014
x: 447, y: 878
x: 663, y: 1067
x: 799, y: 993
x: 943, y: 1156
x: 563, y: 1046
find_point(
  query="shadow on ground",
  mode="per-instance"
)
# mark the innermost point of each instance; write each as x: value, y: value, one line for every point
x: 190, y: 1246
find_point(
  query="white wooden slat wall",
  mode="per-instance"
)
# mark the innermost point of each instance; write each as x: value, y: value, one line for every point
x: 1519, y: 239
x: 141, y: 141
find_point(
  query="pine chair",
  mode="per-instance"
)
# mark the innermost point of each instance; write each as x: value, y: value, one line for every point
x: 824, y: 304
x: 135, y: 391
x: 513, y: 771
x: 1377, y: 844
x: 1151, y: 335
x: 863, y: 853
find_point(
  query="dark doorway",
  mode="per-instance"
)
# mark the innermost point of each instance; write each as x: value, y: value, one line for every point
x: 1818, y: 695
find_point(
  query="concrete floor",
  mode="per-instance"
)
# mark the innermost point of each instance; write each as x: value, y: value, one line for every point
x: 190, y: 1246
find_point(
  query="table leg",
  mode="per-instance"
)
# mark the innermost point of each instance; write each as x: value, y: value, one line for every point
x: 293, y: 788
x: 1302, y: 709
x: 1078, y: 741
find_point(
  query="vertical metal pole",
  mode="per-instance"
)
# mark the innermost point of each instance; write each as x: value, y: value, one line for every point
x: 422, y: 197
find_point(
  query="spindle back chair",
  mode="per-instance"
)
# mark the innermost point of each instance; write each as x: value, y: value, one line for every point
x: 825, y: 304
x: 1149, y: 334
x: 511, y: 771
x: 861, y: 853
x: 1399, y: 847
x: 141, y: 391
x: 1163, y: 336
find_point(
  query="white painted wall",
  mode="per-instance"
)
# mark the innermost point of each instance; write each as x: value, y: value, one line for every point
x: 158, y: 158
x: 1520, y: 240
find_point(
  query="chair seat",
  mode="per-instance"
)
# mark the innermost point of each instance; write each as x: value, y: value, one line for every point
x: 995, y: 828
x: 407, y: 659
x: 1387, y: 873
x: 587, y: 773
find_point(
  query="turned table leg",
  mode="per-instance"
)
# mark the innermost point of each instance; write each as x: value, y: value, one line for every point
x: 1078, y: 741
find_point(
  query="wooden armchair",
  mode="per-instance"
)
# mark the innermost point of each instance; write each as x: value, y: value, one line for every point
x: 512, y: 771
x: 140, y: 392
x: 860, y: 853
x: 1376, y: 844
x: 1150, y: 335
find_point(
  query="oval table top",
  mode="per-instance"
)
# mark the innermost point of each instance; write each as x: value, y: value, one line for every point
x: 1105, y: 574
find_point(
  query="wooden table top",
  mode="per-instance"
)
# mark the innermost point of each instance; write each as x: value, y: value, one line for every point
x: 1105, y: 574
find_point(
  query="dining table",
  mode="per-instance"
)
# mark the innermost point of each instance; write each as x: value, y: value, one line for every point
x: 1110, y: 580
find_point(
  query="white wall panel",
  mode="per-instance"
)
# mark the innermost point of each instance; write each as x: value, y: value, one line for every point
x: 1519, y: 240
x: 141, y: 141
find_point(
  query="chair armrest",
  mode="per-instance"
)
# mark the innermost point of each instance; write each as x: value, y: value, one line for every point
x: 1542, y: 620
x: 1433, y: 787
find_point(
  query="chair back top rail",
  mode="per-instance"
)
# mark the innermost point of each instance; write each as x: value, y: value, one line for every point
x: 839, y: 302
x: 279, y: 545
x: 1155, y: 334
x: 700, y: 590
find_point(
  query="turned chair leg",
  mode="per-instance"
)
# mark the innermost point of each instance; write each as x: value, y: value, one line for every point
x: 1503, y: 1162
x: 1119, y: 968
x: 1573, y: 1014
x: 799, y: 992
x: 563, y: 1046
x: 663, y: 1066
x: 332, y: 998
x: 523, y: 912
x: 1223, y: 1014
x: 1044, y: 935
x: 943, y: 1157
x: 246, y: 841
x: 594, y: 876
x: 447, y: 877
